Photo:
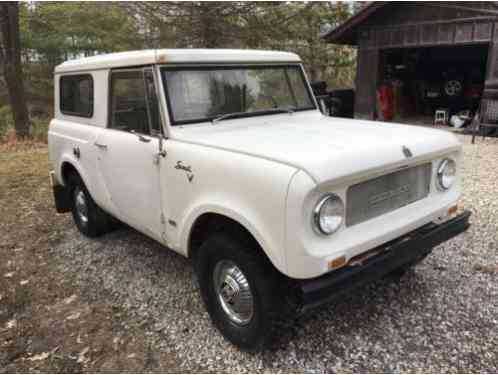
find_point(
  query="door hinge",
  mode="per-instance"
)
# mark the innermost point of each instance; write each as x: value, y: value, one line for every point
x: 163, y: 220
x: 158, y: 156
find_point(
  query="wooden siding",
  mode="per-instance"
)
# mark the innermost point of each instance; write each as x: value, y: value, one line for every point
x: 366, y: 79
x: 409, y: 13
x: 428, y: 34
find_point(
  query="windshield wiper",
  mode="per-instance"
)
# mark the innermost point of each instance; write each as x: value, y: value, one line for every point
x: 226, y: 116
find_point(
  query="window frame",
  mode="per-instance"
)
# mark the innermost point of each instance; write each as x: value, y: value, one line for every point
x: 153, y: 132
x: 221, y: 66
x: 141, y: 69
x: 92, y: 95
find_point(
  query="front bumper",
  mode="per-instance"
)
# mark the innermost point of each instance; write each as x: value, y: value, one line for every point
x: 395, y: 254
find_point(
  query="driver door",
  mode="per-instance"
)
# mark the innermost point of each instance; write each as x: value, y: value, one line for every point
x: 127, y: 151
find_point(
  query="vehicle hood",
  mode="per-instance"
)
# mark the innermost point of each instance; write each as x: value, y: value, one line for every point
x: 327, y: 148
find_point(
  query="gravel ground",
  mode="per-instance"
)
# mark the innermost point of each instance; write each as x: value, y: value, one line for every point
x: 442, y: 317
x: 124, y: 303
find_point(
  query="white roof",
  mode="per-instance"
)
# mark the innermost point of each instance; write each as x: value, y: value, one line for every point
x: 167, y: 56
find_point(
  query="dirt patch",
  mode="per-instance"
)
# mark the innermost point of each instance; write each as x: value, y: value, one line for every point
x: 48, y: 323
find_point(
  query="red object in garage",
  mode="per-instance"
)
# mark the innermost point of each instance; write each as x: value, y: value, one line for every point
x: 386, y: 101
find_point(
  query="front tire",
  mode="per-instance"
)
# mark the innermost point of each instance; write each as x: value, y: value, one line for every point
x: 241, y: 290
x: 90, y: 219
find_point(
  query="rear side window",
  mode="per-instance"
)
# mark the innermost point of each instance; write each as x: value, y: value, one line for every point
x: 76, y: 95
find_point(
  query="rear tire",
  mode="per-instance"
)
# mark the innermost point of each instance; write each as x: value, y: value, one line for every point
x: 90, y: 219
x: 241, y: 290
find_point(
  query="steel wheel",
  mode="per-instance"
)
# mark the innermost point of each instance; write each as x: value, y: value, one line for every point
x: 233, y: 292
x: 81, y: 205
x: 453, y: 87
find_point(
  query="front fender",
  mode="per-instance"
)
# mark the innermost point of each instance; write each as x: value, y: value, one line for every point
x: 271, y: 249
x: 247, y: 189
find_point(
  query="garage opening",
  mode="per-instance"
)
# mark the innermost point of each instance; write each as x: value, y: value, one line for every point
x: 415, y: 82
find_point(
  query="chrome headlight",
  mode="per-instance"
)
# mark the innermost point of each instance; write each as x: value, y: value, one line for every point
x: 446, y: 174
x: 328, y: 214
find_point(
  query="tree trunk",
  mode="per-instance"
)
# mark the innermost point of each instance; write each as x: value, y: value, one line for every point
x: 10, y: 58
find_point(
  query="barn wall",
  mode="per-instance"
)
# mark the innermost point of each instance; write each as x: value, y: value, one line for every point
x: 366, y: 82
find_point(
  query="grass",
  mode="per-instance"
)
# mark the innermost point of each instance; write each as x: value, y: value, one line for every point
x: 23, y: 170
x: 37, y: 132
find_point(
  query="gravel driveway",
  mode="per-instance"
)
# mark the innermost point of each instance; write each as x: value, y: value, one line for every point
x: 442, y: 317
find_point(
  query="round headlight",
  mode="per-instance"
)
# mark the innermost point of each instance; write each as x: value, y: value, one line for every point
x: 446, y: 174
x: 329, y: 214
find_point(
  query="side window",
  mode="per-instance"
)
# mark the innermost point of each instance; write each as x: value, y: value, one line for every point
x: 76, y: 95
x: 128, y: 104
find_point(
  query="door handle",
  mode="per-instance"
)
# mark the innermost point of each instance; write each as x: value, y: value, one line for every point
x: 141, y: 138
x: 100, y: 145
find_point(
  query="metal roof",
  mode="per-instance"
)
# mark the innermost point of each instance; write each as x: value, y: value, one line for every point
x: 171, y: 56
x: 345, y: 33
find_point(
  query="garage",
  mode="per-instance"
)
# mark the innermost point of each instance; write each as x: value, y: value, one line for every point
x: 420, y: 81
x: 421, y: 61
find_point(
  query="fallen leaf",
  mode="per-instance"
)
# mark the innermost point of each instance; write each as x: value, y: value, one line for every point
x: 81, y: 356
x: 39, y: 357
x: 9, y: 275
x: 24, y: 282
x: 69, y: 300
x: 11, y: 324
x: 74, y: 316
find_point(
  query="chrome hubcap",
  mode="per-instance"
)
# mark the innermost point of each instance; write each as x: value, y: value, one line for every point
x: 234, y: 292
x: 80, y: 204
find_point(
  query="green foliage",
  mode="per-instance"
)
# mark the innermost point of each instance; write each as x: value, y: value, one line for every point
x: 289, y: 26
x: 301, y: 31
x: 53, y: 31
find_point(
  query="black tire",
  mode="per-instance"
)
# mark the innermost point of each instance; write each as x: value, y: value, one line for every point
x: 266, y: 286
x: 97, y: 221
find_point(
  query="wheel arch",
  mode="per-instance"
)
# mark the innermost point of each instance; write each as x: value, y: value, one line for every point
x: 68, y: 166
x: 67, y: 169
x: 214, y: 220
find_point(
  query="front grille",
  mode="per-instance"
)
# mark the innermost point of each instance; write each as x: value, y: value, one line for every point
x: 387, y: 193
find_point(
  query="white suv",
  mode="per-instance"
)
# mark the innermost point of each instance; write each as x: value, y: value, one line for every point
x: 224, y: 157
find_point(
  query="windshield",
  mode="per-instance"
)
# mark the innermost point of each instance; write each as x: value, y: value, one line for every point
x: 205, y: 93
